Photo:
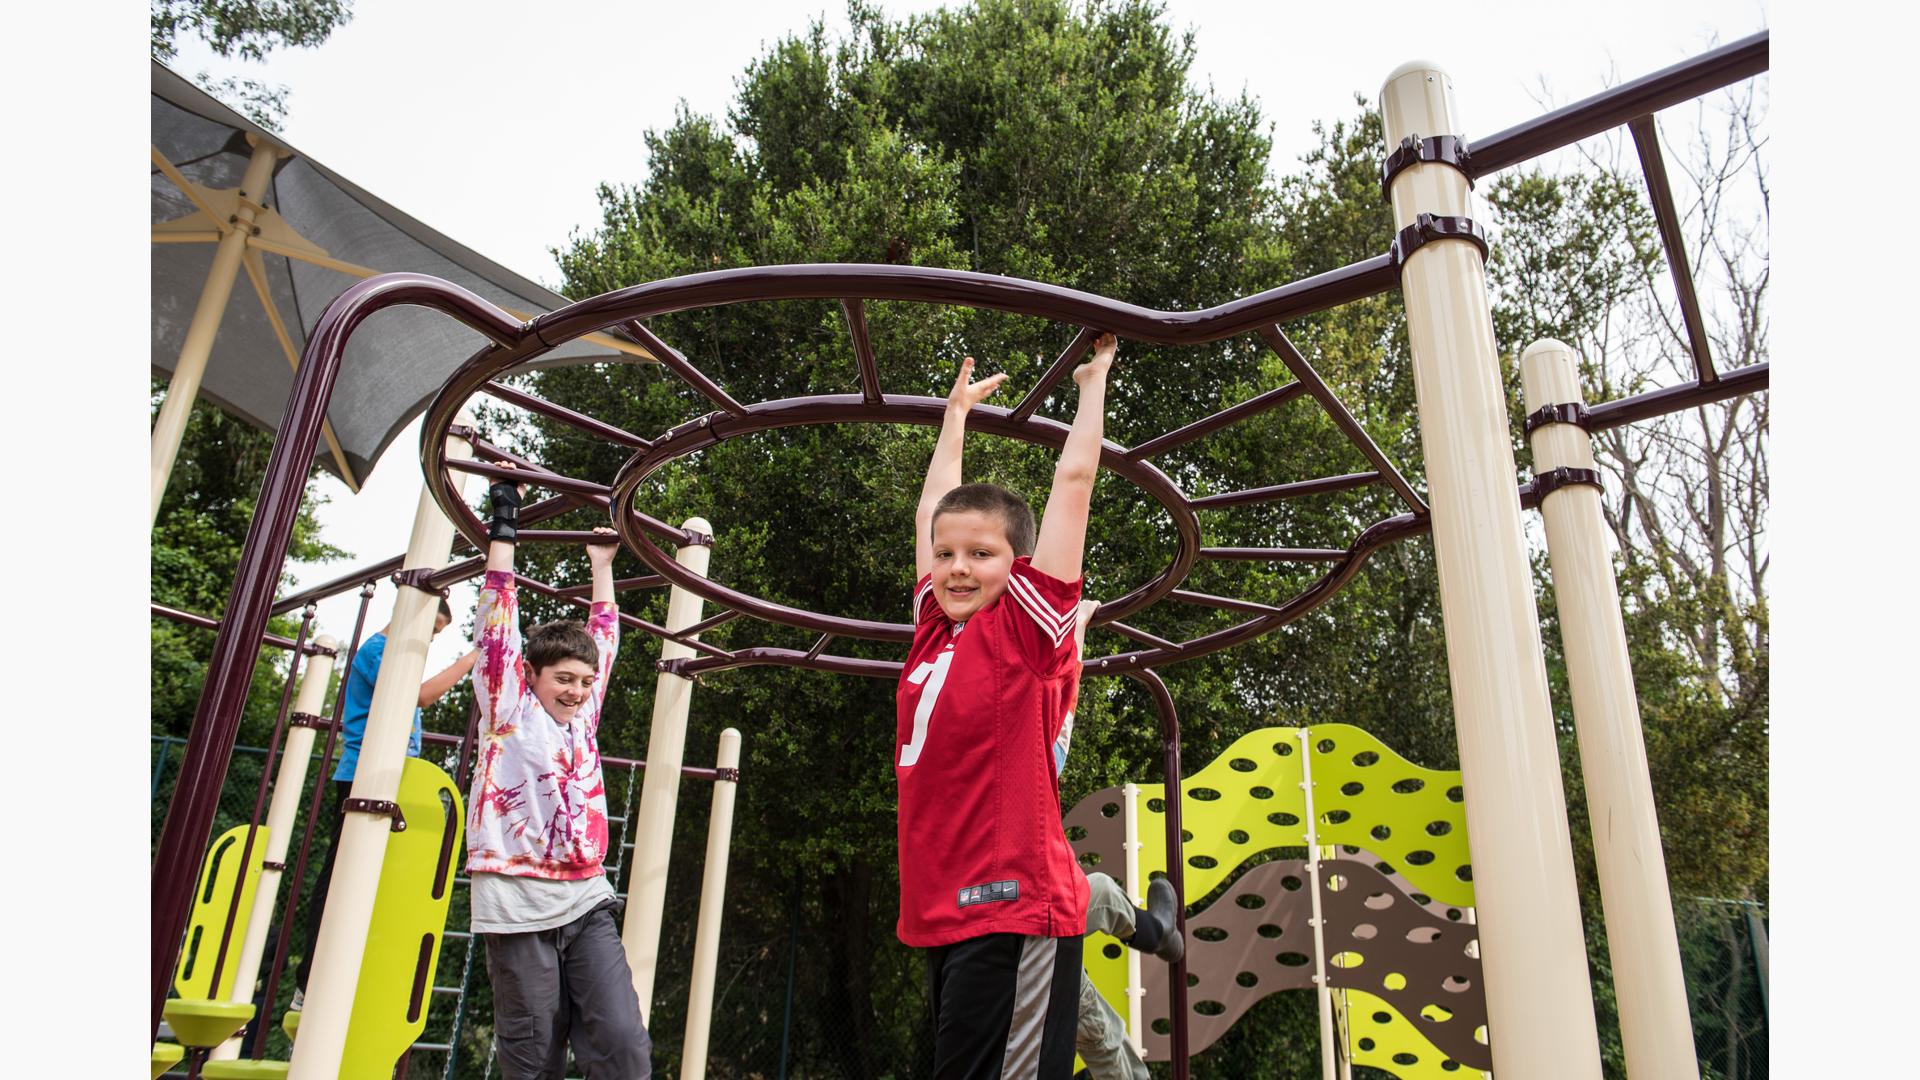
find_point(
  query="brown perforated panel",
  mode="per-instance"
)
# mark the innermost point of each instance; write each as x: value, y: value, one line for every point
x: 1256, y: 940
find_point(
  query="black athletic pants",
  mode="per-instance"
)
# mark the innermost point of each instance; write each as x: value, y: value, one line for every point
x: 1004, y: 1007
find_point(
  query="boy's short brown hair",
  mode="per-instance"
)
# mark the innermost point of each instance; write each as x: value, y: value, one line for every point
x: 562, y: 639
x: 1016, y: 517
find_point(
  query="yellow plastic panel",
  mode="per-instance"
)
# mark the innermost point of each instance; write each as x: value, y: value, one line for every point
x: 1383, y: 1039
x: 409, y: 915
x: 219, y: 874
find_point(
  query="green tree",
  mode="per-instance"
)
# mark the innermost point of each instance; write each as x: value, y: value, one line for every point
x: 249, y: 30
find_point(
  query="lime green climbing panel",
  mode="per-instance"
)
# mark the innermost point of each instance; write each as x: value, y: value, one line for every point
x: 219, y: 875
x: 1249, y: 799
x: 1383, y: 1039
x: 409, y: 915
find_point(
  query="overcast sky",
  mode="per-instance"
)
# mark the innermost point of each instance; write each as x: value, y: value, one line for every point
x: 496, y: 125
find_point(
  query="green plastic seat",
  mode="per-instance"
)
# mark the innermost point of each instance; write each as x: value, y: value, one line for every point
x: 290, y: 1023
x: 165, y: 1056
x: 205, y: 1024
x: 245, y: 1069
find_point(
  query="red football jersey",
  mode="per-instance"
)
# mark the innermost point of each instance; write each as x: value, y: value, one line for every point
x: 979, y: 705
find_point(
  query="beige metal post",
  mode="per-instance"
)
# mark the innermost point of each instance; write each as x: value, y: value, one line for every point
x: 295, y: 757
x: 363, y: 835
x: 1656, y: 1027
x: 660, y: 789
x: 184, y: 387
x: 1539, y: 998
x: 713, y: 899
x: 1322, y: 992
x: 1137, y: 892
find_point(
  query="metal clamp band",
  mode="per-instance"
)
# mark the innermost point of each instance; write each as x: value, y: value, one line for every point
x: 1566, y: 412
x: 1436, y: 227
x: 1413, y: 150
x: 729, y: 775
x: 269, y: 864
x: 377, y: 806
x: 419, y: 578
x: 460, y: 431
x: 673, y: 666
x: 308, y: 720
x: 1546, y: 483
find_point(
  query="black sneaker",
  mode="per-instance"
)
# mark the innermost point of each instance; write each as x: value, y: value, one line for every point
x: 1163, y: 906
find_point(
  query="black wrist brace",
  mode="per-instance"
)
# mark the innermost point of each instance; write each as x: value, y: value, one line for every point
x: 504, y: 496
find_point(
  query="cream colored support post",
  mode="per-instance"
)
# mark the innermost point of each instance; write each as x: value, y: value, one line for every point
x: 713, y: 899
x: 184, y: 387
x: 363, y: 835
x: 660, y: 789
x: 1137, y: 892
x: 1321, y: 991
x: 295, y: 757
x: 1539, y: 999
x: 1656, y: 1027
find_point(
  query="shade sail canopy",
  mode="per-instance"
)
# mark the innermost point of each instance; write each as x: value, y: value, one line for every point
x: 317, y: 234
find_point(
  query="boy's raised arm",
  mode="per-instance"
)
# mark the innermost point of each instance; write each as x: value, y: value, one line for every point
x: 496, y: 673
x: 1061, y: 548
x: 603, y: 624
x: 943, y: 472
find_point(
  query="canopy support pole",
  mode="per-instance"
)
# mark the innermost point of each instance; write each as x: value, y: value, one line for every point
x: 184, y: 387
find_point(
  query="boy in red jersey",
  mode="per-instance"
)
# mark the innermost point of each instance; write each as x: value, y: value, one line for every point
x: 988, y: 885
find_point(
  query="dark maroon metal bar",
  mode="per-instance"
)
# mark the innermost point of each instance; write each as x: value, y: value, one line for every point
x: 648, y: 581
x: 1233, y: 414
x: 1176, y: 856
x: 1243, y: 554
x: 846, y: 408
x: 634, y: 621
x: 675, y: 361
x: 925, y: 284
x: 1653, y: 166
x: 705, y: 625
x: 856, y: 313
x: 1141, y: 636
x: 1286, y: 491
x: 1609, y: 109
x: 469, y: 749
x: 1062, y: 364
x: 230, y: 667
x: 552, y: 481
x: 1342, y: 419
x: 566, y: 416
x: 1226, y: 602
x: 271, y: 988
x: 260, y: 796
x: 1739, y: 381
x: 819, y: 646
x: 190, y: 619
x: 761, y: 656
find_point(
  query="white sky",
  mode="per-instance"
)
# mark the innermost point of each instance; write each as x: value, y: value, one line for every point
x: 472, y: 71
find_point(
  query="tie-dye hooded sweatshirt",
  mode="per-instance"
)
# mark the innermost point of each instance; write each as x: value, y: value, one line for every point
x: 538, y: 807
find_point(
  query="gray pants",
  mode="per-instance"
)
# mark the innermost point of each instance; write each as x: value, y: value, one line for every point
x: 1100, y: 1036
x: 570, y: 984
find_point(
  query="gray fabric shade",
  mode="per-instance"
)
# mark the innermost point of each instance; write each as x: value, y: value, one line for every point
x: 395, y: 362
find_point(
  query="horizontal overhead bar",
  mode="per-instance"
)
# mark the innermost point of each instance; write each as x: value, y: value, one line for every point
x: 1609, y: 109
x: 1735, y: 383
x: 1240, y: 554
x: 188, y: 618
x: 1062, y: 364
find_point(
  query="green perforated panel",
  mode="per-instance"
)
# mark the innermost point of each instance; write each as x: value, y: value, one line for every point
x: 1383, y: 1039
x: 219, y: 875
x: 409, y: 913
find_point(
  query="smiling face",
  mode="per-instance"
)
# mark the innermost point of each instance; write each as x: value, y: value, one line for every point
x: 563, y: 686
x: 971, y: 561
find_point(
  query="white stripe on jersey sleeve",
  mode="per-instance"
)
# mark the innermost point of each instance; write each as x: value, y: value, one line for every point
x: 1056, y: 625
x: 920, y: 599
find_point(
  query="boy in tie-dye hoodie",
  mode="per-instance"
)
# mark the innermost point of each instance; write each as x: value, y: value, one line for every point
x: 537, y: 830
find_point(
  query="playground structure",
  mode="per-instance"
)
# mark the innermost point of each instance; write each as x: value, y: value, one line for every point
x: 1530, y: 951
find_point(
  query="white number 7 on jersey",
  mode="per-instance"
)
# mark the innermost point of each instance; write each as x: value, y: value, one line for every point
x: 934, y: 675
